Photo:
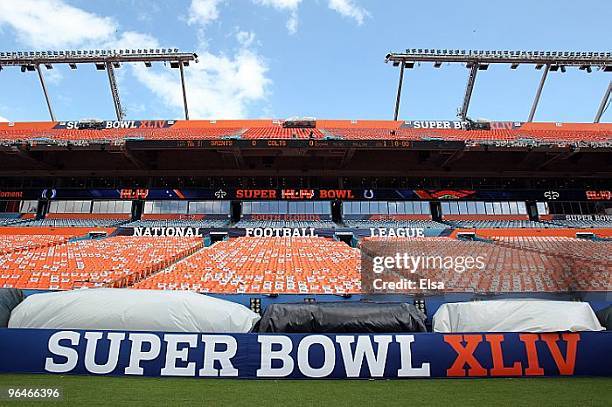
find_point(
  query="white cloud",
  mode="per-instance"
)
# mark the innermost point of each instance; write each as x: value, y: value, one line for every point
x: 348, y: 8
x: 284, y: 5
x: 54, y: 24
x: 132, y: 40
x: 245, y: 38
x: 280, y: 4
x: 219, y: 86
x: 292, y: 23
x: 203, y: 11
x: 3, y: 119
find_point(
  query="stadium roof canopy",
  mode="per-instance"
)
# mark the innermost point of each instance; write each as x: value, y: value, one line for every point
x: 479, y: 60
x: 30, y: 61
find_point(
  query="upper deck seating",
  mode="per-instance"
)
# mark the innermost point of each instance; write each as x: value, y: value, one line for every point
x: 279, y: 132
x: 468, y: 135
x: 121, y: 134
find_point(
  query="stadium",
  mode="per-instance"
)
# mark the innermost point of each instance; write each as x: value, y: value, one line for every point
x: 235, y: 261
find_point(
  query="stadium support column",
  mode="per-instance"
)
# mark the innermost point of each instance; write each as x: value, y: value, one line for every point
x: 44, y: 88
x: 399, y: 91
x: 114, y: 90
x: 602, y: 105
x: 184, y: 91
x: 538, y: 93
x: 468, y: 91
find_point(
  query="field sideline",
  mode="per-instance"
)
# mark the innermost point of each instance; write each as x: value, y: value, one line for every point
x: 116, y: 391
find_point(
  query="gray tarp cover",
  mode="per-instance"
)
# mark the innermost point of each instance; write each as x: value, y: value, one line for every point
x: 605, y: 317
x: 342, y: 317
x: 9, y: 299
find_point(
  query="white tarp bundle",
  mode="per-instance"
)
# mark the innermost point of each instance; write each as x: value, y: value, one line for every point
x: 525, y: 315
x: 132, y: 310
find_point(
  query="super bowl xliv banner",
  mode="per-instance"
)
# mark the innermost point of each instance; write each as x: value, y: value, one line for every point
x: 419, y: 355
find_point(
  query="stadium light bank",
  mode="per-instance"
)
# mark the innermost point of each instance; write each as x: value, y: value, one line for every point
x: 30, y: 61
x: 479, y: 60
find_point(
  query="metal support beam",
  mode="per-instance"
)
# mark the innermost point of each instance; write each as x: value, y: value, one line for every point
x: 132, y: 159
x: 26, y: 155
x: 468, y: 92
x: 577, y: 59
x: 399, y: 91
x: 559, y: 156
x: 534, y: 106
x: 184, y: 91
x: 114, y: 90
x: 239, y: 159
x: 602, y: 105
x: 348, y: 156
x: 44, y: 88
x: 458, y: 154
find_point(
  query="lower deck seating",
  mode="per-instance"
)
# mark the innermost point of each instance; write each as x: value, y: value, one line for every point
x: 115, y: 261
x: 14, y: 243
x: 266, y: 265
x: 302, y: 265
x: 506, y: 268
x: 581, y: 249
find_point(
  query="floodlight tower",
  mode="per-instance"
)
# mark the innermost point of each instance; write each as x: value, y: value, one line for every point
x: 478, y: 60
x: 107, y: 60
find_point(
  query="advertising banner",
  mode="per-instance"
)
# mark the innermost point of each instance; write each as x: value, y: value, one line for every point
x: 303, y: 356
x: 300, y: 194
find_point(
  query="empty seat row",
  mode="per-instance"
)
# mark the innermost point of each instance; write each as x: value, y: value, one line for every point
x: 306, y: 265
x: 115, y: 261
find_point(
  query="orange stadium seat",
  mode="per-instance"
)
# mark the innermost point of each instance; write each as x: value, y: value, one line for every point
x: 467, y: 135
x: 265, y: 265
x: 14, y: 243
x: 508, y: 268
x: 119, y: 134
x: 537, y: 132
x: 115, y: 261
x: 281, y: 133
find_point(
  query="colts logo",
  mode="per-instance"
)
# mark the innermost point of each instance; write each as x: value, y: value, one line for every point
x: 552, y: 195
x: 45, y: 194
x: 220, y: 194
x: 368, y: 194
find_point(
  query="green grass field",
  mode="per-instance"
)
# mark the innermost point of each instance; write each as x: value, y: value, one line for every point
x: 117, y: 391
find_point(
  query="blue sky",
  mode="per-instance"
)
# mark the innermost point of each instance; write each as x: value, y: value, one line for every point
x: 321, y: 58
